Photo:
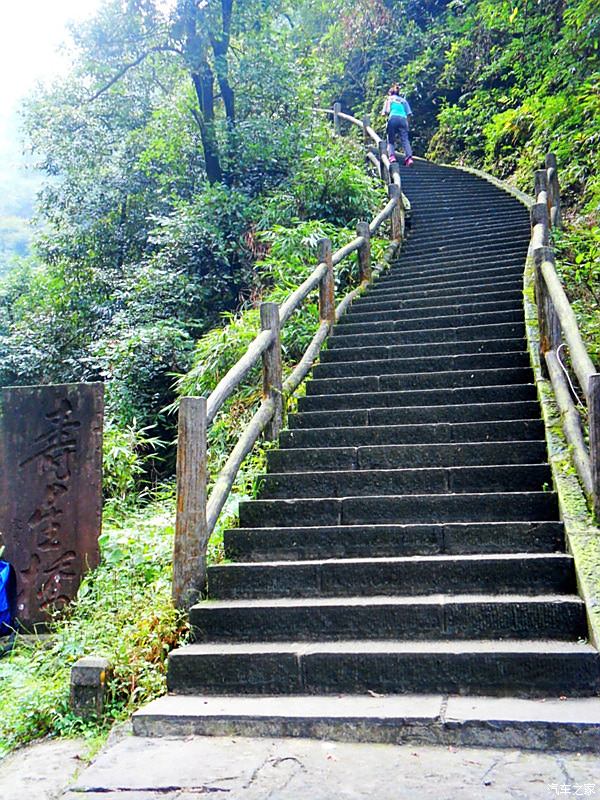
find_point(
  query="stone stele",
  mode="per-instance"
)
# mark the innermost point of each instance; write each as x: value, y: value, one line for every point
x: 51, y: 491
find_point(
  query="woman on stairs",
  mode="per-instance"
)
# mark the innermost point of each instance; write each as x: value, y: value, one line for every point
x: 398, y: 111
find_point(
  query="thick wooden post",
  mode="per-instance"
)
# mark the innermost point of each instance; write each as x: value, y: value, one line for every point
x: 394, y: 192
x: 337, y: 107
x: 553, y: 191
x: 366, y: 121
x: 396, y: 180
x: 541, y: 186
x: 594, y: 422
x: 271, y: 361
x: 549, y: 323
x: 384, y: 172
x: 539, y: 224
x: 364, y: 252
x: 327, y: 285
x: 191, y: 531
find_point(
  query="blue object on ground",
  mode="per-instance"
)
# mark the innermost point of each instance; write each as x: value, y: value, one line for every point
x: 8, y: 598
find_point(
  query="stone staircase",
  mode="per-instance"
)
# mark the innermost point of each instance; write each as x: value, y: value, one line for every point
x: 406, y: 554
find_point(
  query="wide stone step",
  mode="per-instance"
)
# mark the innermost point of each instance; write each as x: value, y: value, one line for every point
x: 424, y: 219
x: 419, y: 268
x: 422, y: 364
x: 385, y: 296
x: 411, y: 288
x: 436, y: 719
x: 403, y: 456
x: 452, y: 616
x: 524, y: 668
x: 396, y: 300
x: 522, y: 573
x: 448, y: 317
x: 413, y: 415
x: 488, y: 246
x: 447, y: 379
x: 405, y: 509
x: 419, y: 434
x: 420, y: 480
x: 416, y: 398
x: 453, y: 238
x: 511, y: 301
x: 422, y: 338
x: 388, y: 352
x: 372, y: 541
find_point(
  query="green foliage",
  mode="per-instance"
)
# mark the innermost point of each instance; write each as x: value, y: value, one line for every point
x: 123, y: 612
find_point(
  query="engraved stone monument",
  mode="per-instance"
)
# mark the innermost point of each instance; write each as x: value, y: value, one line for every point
x: 50, y: 491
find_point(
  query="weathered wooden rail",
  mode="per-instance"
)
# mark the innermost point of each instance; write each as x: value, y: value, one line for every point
x: 558, y: 329
x: 197, y: 514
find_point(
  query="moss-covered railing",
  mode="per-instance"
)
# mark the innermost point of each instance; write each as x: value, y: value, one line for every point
x: 558, y: 329
x: 197, y: 514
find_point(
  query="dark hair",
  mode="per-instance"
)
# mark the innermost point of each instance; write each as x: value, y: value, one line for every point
x: 395, y: 89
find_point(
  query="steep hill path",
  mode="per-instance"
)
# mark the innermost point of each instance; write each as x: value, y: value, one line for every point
x: 403, y: 572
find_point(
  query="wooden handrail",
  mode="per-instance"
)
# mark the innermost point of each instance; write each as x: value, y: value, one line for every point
x: 197, y: 516
x: 237, y: 373
x: 557, y: 321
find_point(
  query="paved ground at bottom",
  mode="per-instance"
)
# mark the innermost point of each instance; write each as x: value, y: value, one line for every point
x: 299, y: 769
x: 42, y: 770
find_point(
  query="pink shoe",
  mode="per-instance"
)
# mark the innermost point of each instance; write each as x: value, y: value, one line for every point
x: 393, y: 159
x: 408, y: 162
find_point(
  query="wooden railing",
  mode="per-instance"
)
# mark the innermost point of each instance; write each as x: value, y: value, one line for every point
x: 197, y: 514
x: 558, y: 329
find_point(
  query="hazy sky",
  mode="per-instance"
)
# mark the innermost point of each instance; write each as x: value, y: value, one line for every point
x: 31, y: 32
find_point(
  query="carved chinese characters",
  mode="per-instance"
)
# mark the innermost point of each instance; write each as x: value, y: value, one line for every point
x: 51, y: 483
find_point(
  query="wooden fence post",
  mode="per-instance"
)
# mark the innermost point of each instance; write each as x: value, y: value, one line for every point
x: 539, y: 225
x: 366, y: 124
x: 549, y: 323
x: 594, y: 422
x: 271, y: 361
x: 394, y: 192
x: 553, y: 191
x: 541, y: 186
x: 337, y: 107
x: 395, y: 179
x: 327, y: 285
x: 191, y: 531
x: 384, y: 172
x: 364, y: 252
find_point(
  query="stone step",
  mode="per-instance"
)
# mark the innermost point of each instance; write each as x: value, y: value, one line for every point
x: 421, y: 338
x: 392, y: 293
x: 417, y: 398
x: 390, y: 510
x: 363, y: 541
x: 396, y: 300
x: 407, y: 480
x: 448, y: 317
x: 406, y: 456
x: 481, y: 237
x: 487, y: 246
x: 452, y: 348
x: 447, y: 379
x: 419, y: 434
x: 413, y: 415
x: 419, y: 268
x: 523, y: 668
x: 434, y: 617
x: 455, y: 721
x: 512, y: 301
x: 421, y: 364
x: 415, y: 286
x: 521, y: 573
x: 424, y: 219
